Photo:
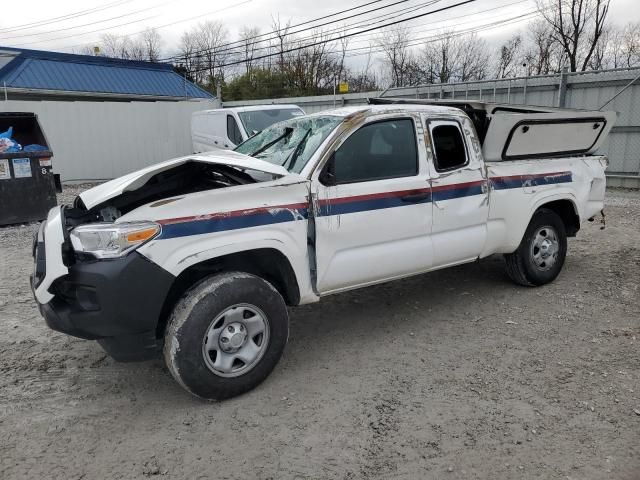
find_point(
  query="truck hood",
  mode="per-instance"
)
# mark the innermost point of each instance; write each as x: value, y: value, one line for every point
x: 135, y: 180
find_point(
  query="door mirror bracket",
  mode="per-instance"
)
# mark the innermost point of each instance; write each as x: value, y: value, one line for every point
x: 328, y: 175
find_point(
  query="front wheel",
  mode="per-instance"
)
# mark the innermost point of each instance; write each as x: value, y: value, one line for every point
x: 541, y: 254
x: 226, y: 335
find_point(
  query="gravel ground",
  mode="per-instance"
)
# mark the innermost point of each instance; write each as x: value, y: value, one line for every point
x: 455, y: 374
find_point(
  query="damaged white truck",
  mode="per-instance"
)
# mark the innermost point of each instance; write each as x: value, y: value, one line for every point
x: 200, y: 256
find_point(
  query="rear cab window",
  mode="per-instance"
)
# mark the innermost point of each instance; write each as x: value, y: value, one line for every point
x: 449, y: 150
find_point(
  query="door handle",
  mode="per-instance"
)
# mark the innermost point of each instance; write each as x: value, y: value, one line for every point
x: 416, y: 197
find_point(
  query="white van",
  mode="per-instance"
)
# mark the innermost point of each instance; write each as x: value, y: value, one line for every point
x: 226, y: 128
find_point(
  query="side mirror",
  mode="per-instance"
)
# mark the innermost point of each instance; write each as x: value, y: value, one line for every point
x: 328, y: 175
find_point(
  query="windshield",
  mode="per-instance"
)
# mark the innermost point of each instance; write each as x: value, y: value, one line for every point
x: 257, y: 120
x: 290, y: 143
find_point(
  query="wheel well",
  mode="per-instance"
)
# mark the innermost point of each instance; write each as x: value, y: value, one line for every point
x: 266, y: 263
x: 567, y: 212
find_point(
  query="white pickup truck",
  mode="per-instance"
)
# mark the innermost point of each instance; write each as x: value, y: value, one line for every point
x: 199, y: 256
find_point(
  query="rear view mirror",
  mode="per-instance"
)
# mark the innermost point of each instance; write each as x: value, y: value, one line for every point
x: 328, y: 175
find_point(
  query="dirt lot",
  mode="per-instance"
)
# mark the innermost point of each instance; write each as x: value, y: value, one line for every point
x: 456, y: 374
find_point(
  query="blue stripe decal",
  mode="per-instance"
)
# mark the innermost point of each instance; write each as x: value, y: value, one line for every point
x: 199, y: 227
x: 439, y: 195
x: 519, y: 181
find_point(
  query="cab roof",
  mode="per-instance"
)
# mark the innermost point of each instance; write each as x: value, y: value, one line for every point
x: 250, y: 108
x: 391, y: 108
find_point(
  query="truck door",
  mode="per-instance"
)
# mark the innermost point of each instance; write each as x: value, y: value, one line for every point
x: 372, y: 206
x: 459, y: 191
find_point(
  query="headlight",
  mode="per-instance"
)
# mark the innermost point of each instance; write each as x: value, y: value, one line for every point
x: 111, y: 240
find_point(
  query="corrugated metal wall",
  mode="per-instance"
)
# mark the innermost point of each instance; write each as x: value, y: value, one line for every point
x: 103, y: 140
x: 588, y: 90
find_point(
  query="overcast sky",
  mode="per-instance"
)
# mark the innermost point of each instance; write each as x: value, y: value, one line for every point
x: 33, y: 24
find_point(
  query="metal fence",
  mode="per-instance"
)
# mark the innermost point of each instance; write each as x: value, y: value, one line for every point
x: 103, y: 140
x: 584, y: 90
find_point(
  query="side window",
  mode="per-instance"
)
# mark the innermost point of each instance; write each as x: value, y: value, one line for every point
x: 233, y: 132
x: 385, y: 149
x: 448, y: 144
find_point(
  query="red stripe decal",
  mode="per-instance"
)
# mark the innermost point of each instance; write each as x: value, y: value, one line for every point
x: 530, y: 176
x: 233, y: 213
x: 373, y: 196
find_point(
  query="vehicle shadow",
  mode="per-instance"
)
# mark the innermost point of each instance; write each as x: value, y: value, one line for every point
x: 371, y: 314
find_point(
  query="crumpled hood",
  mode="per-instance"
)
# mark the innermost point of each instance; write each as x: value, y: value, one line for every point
x: 135, y: 180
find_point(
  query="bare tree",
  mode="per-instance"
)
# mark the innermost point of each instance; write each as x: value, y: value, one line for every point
x: 187, y: 57
x: 211, y: 36
x: 577, y: 25
x: 454, y: 57
x: 542, y: 52
x: 625, y: 46
x: 115, y: 46
x: 86, y: 50
x: 365, y: 80
x: 394, y: 43
x: 313, y: 67
x: 344, y: 45
x: 152, y: 44
x: 509, y: 58
x: 137, y: 50
x: 281, y: 31
x: 250, y: 45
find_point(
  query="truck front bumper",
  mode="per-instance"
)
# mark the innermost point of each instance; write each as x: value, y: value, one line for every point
x: 116, y: 302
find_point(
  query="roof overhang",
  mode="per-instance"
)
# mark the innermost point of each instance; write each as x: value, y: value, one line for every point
x: 95, y: 95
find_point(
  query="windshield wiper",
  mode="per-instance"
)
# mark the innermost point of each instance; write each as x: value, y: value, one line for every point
x: 298, y: 150
x: 287, y: 132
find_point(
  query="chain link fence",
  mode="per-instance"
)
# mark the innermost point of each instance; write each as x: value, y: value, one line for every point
x: 617, y: 90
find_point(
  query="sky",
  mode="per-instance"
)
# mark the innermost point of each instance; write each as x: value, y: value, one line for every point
x: 38, y: 24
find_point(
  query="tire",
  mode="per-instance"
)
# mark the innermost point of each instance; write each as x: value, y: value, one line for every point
x: 545, y: 235
x: 227, y: 306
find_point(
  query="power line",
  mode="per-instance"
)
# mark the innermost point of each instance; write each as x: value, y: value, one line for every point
x: 276, y: 32
x: 445, y: 33
x: 86, y: 33
x: 92, y: 23
x: 133, y: 22
x: 61, y: 18
x: 322, y: 42
x: 158, y: 27
x: 434, y: 38
x: 421, y: 25
x: 359, y: 24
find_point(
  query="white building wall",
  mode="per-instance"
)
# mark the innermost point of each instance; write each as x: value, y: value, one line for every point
x: 103, y: 140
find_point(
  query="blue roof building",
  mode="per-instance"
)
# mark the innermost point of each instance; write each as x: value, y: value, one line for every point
x: 39, y: 75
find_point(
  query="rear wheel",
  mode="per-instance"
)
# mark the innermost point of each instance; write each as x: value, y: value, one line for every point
x: 541, y: 254
x: 226, y: 335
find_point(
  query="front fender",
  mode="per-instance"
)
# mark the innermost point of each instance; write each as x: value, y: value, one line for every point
x: 177, y: 254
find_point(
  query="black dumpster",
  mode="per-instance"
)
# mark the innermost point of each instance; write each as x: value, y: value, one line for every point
x: 27, y: 186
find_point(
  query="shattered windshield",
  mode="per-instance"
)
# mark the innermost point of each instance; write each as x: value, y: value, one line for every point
x: 290, y: 143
